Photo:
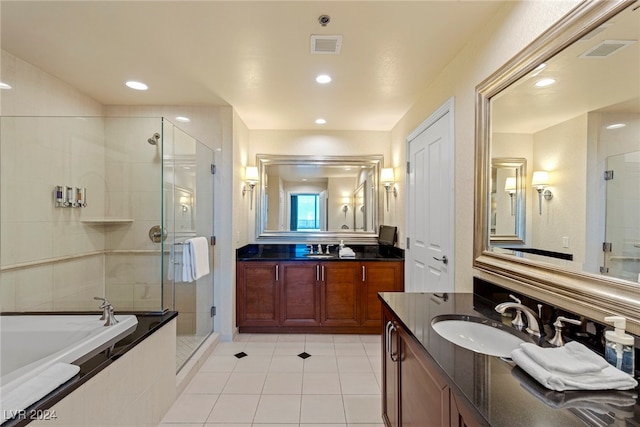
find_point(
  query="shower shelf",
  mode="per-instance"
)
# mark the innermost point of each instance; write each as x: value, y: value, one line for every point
x: 107, y: 221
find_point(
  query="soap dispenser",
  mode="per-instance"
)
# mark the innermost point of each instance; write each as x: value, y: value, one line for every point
x: 619, y: 350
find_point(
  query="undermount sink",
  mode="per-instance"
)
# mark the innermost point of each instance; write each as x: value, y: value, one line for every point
x: 483, y: 336
x: 320, y: 256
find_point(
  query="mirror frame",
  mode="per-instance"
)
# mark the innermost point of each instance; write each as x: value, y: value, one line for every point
x: 518, y: 238
x: 262, y: 160
x: 589, y: 295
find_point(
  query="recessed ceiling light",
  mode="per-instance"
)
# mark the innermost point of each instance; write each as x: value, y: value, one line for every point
x: 183, y: 119
x: 323, y: 79
x: 545, y: 82
x: 4, y: 86
x: 616, y: 126
x: 136, y: 85
x: 320, y: 121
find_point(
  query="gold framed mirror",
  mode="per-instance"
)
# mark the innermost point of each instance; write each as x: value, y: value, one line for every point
x: 593, y: 54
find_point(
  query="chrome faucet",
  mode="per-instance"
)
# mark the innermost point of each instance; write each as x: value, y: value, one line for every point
x: 534, y: 326
x: 107, y: 312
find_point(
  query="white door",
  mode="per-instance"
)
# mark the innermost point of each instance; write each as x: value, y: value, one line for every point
x: 430, y: 213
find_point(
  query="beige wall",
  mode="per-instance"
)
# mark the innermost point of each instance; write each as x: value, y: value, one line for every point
x: 516, y: 25
x: 561, y: 150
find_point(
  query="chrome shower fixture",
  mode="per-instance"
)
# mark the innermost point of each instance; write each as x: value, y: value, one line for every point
x: 154, y: 139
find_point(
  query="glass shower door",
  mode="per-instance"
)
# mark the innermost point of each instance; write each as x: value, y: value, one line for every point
x: 622, y: 231
x: 188, y: 213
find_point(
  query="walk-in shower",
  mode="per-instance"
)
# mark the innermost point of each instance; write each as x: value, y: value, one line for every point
x: 53, y: 258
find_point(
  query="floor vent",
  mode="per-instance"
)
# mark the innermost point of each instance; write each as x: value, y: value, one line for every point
x: 327, y: 45
x: 606, y: 48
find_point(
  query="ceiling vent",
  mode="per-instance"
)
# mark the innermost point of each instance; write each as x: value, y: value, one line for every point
x: 327, y: 45
x: 606, y: 48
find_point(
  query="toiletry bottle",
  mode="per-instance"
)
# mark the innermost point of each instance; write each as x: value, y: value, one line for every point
x: 618, y: 350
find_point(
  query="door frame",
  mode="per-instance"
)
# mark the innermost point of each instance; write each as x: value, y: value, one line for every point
x: 447, y: 107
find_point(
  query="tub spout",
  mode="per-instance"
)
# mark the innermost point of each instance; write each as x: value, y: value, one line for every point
x: 107, y: 312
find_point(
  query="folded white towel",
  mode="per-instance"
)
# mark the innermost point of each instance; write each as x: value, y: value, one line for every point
x: 35, y: 388
x: 346, y: 253
x: 602, y: 402
x: 608, y: 378
x: 186, y: 270
x: 198, y: 256
x: 572, y: 358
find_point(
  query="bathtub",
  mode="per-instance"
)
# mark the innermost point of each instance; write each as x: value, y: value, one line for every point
x: 29, y: 345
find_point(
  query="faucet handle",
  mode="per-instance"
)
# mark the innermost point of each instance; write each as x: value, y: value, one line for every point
x: 557, y: 339
x: 327, y: 249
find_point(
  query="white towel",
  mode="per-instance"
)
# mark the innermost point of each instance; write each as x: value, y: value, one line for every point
x: 572, y: 358
x: 608, y: 378
x: 195, y: 258
x: 36, y: 388
x: 346, y: 253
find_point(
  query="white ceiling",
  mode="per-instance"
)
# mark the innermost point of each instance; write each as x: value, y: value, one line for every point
x: 610, y: 83
x: 253, y: 55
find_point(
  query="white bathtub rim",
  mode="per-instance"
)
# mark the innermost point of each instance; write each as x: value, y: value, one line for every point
x: 75, y: 352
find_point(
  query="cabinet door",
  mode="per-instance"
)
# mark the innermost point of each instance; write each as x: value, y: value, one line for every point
x: 424, y: 396
x: 300, y: 293
x: 461, y: 416
x: 258, y: 294
x: 380, y: 276
x: 390, y: 374
x: 340, y: 292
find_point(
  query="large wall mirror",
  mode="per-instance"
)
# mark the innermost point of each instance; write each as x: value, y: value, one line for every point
x: 311, y: 197
x: 569, y: 107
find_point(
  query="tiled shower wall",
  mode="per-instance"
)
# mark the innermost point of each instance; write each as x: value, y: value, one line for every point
x: 49, y: 258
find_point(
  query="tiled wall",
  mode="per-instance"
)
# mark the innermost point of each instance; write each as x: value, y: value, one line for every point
x: 52, y: 258
x: 135, y: 391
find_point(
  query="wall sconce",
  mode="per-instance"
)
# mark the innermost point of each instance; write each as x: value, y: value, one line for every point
x: 251, y: 179
x: 345, y: 209
x: 540, y: 182
x: 510, y: 187
x: 184, y: 203
x: 387, y: 177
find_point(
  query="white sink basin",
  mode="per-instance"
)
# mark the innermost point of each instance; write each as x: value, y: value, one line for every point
x: 480, y: 335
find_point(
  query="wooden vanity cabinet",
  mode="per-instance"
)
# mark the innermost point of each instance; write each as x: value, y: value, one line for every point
x: 340, y: 293
x: 258, y: 293
x: 378, y: 277
x: 324, y: 296
x: 300, y: 294
x: 414, y: 391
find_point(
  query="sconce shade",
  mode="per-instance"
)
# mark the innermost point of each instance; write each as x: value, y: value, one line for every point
x: 386, y: 175
x: 510, y: 184
x: 540, y: 179
x: 251, y: 174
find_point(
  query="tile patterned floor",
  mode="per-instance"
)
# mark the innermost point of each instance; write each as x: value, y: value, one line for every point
x: 338, y: 385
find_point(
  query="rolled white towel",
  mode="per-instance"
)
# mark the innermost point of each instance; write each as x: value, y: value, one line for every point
x: 608, y: 378
x: 36, y: 388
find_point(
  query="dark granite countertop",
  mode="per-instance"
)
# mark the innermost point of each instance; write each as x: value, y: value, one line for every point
x: 148, y: 323
x: 502, y: 393
x: 299, y: 252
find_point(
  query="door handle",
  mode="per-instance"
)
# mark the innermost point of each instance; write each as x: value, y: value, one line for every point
x: 444, y: 259
x: 277, y: 279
